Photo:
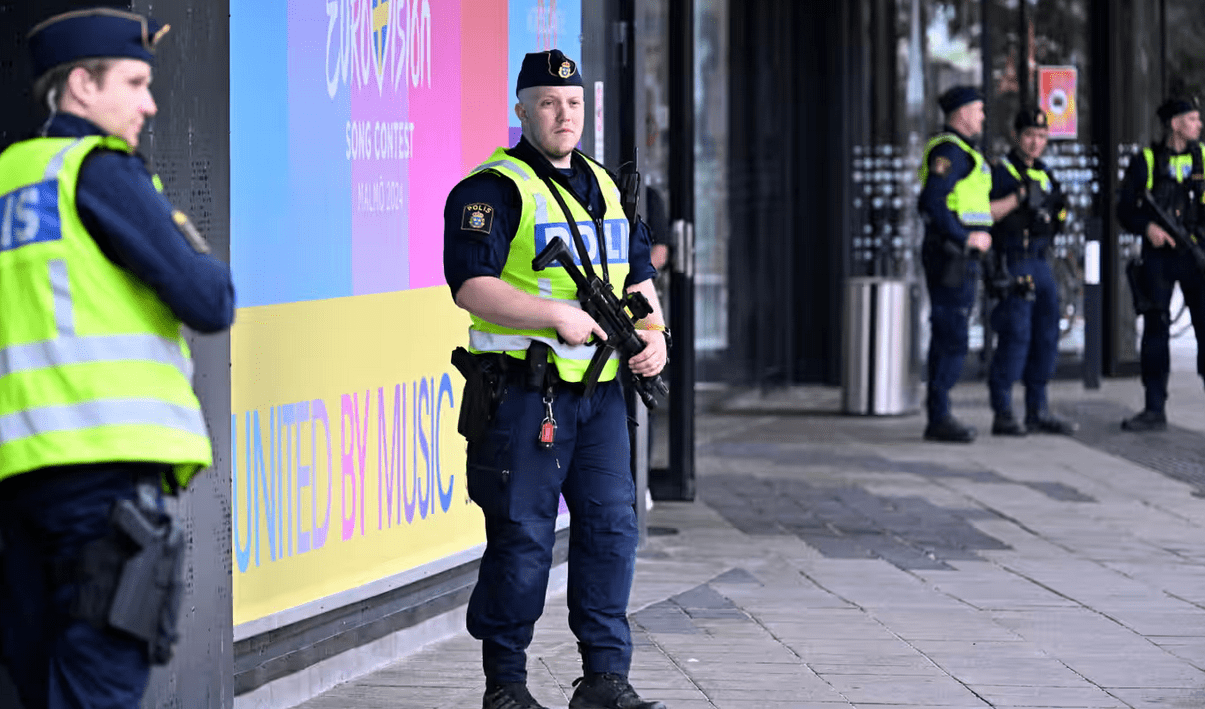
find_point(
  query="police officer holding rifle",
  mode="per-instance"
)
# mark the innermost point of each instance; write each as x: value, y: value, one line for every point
x: 1162, y: 197
x: 543, y: 408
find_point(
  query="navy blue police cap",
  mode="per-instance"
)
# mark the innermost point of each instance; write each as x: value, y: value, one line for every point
x: 1176, y: 105
x: 1030, y: 118
x: 100, y: 32
x: 957, y: 97
x: 550, y: 68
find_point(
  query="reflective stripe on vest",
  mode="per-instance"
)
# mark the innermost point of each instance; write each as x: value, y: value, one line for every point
x: 541, y: 220
x: 96, y: 414
x: 60, y: 288
x: 969, y: 199
x: 64, y: 351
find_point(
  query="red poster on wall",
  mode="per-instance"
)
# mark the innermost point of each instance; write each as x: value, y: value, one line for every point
x: 1056, y: 96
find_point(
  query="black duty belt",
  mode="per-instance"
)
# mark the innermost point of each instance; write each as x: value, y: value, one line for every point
x: 515, y: 371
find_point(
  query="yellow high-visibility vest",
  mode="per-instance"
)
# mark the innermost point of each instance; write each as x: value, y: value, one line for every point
x: 542, y: 220
x: 969, y: 199
x: 93, y: 365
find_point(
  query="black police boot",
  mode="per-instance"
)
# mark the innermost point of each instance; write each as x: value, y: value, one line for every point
x: 607, y: 691
x: 1007, y: 425
x: 1046, y: 422
x: 1146, y: 421
x: 949, y: 430
x: 509, y: 696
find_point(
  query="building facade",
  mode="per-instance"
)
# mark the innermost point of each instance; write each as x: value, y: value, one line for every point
x: 810, y: 123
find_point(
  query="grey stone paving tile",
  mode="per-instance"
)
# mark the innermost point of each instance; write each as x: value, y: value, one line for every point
x: 993, y: 671
x: 1190, y: 650
x: 1123, y: 671
x: 1163, y: 697
x: 877, y: 705
x: 1187, y: 621
x: 955, y: 650
x: 987, y: 586
x: 918, y: 668
x: 1010, y: 695
x: 802, y: 680
x: 769, y: 704
x: 920, y: 691
x: 833, y: 630
x: 722, y: 696
x: 695, y: 667
x: 960, y: 705
x: 915, y: 626
x: 770, y: 655
x: 1060, y: 628
x: 819, y: 650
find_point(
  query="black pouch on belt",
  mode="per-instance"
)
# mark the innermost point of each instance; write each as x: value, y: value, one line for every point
x: 537, y: 364
x: 482, y: 389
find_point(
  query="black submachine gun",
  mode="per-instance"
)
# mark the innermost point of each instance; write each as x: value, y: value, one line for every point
x: 616, y: 316
x: 1179, y: 234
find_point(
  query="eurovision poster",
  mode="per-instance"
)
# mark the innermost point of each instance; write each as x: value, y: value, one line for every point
x: 350, y: 122
x: 1056, y: 96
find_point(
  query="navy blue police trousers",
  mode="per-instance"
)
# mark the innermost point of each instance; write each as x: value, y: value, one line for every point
x: 1027, y: 339
x: 518, y: 484
x: 1163, y: 268
x: 54, y: 659
x: 949, y: 314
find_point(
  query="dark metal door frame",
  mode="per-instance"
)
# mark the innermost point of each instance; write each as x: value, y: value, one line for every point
x: 678, y: 482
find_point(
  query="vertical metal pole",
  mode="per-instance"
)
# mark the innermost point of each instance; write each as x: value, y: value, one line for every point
x: 1023, y: 53
x: 985, y: 141
x: 623, y: 58
x: 985, y: 46
x: 1093, y: 306
x: 1163, y: 87
x: 681, y: 482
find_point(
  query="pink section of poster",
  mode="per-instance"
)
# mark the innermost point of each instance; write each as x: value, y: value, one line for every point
x: 403, y: 138
x: 435, y: 167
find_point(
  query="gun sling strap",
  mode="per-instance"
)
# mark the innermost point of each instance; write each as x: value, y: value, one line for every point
x: 578, y: 242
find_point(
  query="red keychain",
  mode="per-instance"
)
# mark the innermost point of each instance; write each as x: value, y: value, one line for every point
x: 547, y: 426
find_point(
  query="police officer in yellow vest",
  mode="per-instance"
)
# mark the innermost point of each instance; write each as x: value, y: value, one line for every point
x: 539, y: 434
x: 97, y: 413
x: 1030, y: 208
x: 954, y: 204
x: 1172, y: 171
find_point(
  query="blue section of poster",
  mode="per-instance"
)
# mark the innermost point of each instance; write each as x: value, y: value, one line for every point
x: 536, y: 25
x: 290, y: 205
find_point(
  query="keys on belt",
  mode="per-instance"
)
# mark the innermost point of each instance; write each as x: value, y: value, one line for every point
x: 547, y: 434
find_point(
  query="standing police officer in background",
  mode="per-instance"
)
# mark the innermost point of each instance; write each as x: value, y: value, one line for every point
x: 954, y: 203
x: 1172, y: 172
x: 1029, y: 208
x: 536, y: 435
x: 97, y: 411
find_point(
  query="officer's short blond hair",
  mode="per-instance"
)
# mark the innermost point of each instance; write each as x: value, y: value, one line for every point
x: 55, y: 80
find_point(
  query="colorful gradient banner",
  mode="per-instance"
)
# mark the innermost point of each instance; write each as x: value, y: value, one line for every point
x: 1057, y: 96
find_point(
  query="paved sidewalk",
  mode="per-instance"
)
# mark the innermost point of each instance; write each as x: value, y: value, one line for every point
x: 842, y: 562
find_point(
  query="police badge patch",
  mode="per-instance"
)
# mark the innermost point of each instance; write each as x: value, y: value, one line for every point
x: 566, y: 70
x: 477, y: 217
x: 941, y: 165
